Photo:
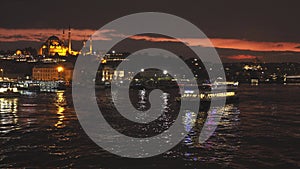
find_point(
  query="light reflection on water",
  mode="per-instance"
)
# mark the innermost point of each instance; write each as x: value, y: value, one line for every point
x: 8, y: 115
x: 48, y: 125
x: 60, y: 103
x: 212, y: 151
x: 190, y: 149
x: 261, y: 131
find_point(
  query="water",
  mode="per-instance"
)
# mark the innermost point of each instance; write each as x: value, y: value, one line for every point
x: 261, y: 131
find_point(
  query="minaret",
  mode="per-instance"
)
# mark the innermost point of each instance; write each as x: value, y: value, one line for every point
x: 63, y: 36
x: 83, y: 51
x: 84, y: 42
x: 91, y: 46
x: 69, y: 39
x: 48, y: 48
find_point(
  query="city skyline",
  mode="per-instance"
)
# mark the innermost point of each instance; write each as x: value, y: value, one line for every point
x: 239, y: 32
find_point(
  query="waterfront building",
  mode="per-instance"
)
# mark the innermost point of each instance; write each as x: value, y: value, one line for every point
x: 109, y: 63
x: 52, y: 73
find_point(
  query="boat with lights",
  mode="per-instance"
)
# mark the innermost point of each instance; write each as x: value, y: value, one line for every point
x: 207, y: 92
x: 8, y: 89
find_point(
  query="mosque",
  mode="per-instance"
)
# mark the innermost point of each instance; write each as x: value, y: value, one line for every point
x: 54, y: 46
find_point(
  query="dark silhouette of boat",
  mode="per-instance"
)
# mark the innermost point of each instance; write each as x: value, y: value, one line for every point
x: 8, y: 89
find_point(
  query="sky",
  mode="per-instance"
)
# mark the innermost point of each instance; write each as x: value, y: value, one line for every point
x: 239, y: 30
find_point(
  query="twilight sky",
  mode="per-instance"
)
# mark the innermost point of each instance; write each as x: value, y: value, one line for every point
x: 240, y: 30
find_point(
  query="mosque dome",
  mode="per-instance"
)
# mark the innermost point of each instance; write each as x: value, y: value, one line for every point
x: 54, y: 41
x: 53, y: 38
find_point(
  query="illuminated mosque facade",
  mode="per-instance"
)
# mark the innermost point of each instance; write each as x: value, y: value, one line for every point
x: 54, y: 46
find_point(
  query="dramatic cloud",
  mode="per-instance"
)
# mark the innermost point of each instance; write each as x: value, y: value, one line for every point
x: 255, y: 46
x: 154, y: 39
x: 237, y: 44
x: 40, y: 35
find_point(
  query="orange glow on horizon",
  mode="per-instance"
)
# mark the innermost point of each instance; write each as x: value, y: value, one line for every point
x: 243, y: 57
x: 41, y: 35
x: 236, y: 44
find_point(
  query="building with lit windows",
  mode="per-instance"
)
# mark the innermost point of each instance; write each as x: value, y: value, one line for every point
x: 52, y: 73
x: 109, y: 64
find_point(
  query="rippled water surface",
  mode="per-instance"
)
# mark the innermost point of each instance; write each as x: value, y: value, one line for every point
x: 261, y: 131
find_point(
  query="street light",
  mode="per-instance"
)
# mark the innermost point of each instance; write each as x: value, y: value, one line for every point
x: 60, y: 69
x: 2, y: 74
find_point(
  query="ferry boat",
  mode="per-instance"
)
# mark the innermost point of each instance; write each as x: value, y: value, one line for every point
x: 8, y: 89
x: 221, y: 90
x: 41, y: 86
x: 295, y: 80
